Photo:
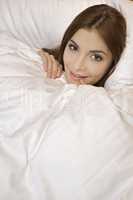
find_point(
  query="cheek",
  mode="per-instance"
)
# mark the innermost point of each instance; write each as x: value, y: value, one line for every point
x: 96, y: 72
x: 100, y: 69
x: 68, y: 59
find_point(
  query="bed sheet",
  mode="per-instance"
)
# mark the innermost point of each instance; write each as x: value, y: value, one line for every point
x: 57, y: 140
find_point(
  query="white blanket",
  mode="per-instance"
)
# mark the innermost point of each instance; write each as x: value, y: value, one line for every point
x: 59, y: 141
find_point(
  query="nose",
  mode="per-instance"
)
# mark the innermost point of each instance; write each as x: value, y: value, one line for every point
x: 79, y: 64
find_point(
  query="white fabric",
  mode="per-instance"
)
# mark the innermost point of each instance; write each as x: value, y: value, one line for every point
x: 41, y: 23
x: 123, y: 75
x: 59, y: 141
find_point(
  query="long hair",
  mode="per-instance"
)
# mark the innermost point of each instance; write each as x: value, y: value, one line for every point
x: 109, y: 23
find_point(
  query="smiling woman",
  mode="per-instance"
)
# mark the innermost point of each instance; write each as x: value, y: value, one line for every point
x: 86, y: 62
x: 90, y: 48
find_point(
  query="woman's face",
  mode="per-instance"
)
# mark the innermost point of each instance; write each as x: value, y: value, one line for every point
x: 86, y: 58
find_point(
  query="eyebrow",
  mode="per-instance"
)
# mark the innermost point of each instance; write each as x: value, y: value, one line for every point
x: 98, y: 51
x: 74, y: 43
x: 91, y: 51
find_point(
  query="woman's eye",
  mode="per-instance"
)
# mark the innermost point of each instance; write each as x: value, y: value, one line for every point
x: 97, y: 57
x: 72, y: 47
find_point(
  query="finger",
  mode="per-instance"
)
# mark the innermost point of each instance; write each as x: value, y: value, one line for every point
x: 54, y: 71
x: 39, y: 50
x: 45, y: 62
x: 59, y: 71
x: 49, y: 66
x: 44, y: 58
x: 54, y: 67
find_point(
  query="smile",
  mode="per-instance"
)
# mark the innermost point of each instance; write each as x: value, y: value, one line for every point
x: 77, y: 76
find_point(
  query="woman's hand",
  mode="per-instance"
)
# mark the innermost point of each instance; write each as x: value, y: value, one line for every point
x: 51, y: 66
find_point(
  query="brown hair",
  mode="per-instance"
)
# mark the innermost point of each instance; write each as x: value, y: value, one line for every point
x: 109, y: 23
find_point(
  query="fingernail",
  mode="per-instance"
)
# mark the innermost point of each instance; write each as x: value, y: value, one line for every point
x: 45, y: 68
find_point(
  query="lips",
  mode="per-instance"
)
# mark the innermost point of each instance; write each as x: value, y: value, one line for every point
x: 77, y: 76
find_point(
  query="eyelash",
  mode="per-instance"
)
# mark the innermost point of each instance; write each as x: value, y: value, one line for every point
x: 95, y: 57
x: 72, y: 47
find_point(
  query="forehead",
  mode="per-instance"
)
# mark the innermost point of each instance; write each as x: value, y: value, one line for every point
x: 89, y: 39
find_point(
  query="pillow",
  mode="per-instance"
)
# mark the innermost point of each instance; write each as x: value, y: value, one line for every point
x: 31, y: 21
x: 46, y: 152
x: 123, y: 74
x: 36, y: 22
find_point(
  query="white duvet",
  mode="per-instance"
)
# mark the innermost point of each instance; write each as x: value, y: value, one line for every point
x: 59, y: 141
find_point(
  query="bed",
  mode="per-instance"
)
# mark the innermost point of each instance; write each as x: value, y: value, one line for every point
x: 59, y: 141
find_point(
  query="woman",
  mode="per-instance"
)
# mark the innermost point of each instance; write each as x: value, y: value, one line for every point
x: 91, y: 47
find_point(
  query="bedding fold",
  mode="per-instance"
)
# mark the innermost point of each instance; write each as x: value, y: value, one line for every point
x: 59, y: 141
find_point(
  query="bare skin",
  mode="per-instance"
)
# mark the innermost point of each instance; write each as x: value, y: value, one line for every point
x: 51, y: 66
x: 86, y: 59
